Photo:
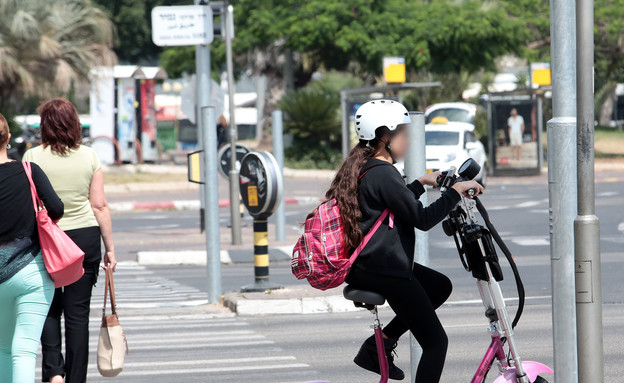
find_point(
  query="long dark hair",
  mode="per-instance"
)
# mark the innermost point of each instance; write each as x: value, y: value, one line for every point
x: 344, y: 187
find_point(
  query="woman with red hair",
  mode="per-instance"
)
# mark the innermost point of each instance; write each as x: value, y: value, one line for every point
x: 75, y: 173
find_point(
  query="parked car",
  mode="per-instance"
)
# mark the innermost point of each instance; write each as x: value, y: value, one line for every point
x: 450, y: 143
x: 452, y: 111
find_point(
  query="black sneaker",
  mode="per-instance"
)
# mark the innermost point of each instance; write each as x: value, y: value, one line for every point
x: 367, y: 358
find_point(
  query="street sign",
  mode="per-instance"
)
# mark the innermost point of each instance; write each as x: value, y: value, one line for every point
x: 394, y: 69
x: 195, y: 167
x: 225, y: 158
x: 182, y: 25
x: 260, y: 184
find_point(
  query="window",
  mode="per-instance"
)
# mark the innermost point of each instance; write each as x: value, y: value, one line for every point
x: 451, y: 114
x: 440, y: 138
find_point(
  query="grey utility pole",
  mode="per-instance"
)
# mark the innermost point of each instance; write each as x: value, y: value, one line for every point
x: 586, y: 224
x: 415, y: 167
x: 207, y: 137
x: 562, y: 187
x: 213, y: 253
x: 278, y: 152
x: 202, y: 98
x: 228, y: 14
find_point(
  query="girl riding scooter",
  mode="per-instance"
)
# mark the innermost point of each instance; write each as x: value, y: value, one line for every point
x: 368, y: 183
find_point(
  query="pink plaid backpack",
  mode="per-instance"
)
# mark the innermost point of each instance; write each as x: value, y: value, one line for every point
x: 320, y: 255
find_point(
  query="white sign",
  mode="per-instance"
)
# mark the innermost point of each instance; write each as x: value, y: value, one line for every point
x: 182, y: 25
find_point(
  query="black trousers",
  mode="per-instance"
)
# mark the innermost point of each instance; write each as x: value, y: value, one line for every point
x: 73, y: 302
x: 414, y: 302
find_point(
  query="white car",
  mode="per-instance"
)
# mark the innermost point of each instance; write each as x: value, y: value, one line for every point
x: 450, y: 144
x: 452, y: 111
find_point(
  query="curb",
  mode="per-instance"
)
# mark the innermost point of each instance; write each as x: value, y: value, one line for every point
x: 244, y: 306
x: 194, y: 204
x: 190, y: 257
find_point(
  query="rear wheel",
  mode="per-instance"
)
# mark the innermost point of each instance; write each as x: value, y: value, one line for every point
x: 539, y: 379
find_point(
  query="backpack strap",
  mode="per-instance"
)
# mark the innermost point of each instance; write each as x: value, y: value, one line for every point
x: 366, y: 171
x: 372, y: 231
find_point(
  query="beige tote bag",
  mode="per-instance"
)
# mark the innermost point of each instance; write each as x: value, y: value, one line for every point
x: 112, y: 345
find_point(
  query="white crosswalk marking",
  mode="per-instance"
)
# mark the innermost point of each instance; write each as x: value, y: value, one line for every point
x: 170, y: 336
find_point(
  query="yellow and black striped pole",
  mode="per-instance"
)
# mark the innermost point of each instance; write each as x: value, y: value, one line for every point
x: 261, y: 250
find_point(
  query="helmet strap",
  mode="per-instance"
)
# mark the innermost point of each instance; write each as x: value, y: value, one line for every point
x: 389, y: 150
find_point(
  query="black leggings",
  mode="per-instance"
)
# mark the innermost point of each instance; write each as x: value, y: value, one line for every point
x: 73, y: 302
x: 414, y: 302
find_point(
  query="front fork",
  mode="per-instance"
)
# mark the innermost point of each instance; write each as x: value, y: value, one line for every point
x: 501, y: 325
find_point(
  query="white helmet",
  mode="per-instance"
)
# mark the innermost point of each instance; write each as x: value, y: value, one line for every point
x: 373, y: 114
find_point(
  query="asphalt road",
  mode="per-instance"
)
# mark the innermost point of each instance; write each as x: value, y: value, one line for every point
x: 321, y: 347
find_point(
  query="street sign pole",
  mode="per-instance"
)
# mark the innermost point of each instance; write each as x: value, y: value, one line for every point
x: 562, y: 188
x: 235, y: 213
x: 213, y: 253
x: 586, y: 224
x: 207, y: 137
x: 278, y: 151
x: 192, y: 25
x: 416, y: 166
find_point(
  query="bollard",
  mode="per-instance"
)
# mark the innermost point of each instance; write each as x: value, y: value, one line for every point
x: 261, y: 250
x: 261, y: 258
x: 261, y: 191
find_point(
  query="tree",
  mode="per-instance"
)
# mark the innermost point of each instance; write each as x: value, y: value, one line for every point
x: 133, y: 22
x: 44, y: 50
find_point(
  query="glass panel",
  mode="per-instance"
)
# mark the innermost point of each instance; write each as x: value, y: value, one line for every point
x: 451, y: 114
x: 441, y: 138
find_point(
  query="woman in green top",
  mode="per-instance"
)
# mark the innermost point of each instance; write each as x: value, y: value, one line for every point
x: 76, y: 175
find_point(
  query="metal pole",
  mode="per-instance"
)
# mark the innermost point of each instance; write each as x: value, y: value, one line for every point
x: 233, y: 173
x: 561, y: 131
x: 416, y: 166
x: 213, y: 253
x: 586, y: 224
x: 278, y: 151
x: 345, y: 125
x: 202, y: 87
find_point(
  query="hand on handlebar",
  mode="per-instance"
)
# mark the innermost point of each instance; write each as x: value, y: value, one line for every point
x: 468, y: 188
x: 430, y: 179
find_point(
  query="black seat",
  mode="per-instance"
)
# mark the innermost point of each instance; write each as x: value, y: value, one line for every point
x: 364, y: 297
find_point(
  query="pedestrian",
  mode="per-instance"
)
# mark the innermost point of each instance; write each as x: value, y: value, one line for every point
x: 515, y: 124
x: 26, y: 289
x: 75, y: 172
x: 366, y: 184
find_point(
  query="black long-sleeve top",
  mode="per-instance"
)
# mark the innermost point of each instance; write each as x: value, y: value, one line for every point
x: 18, y: 229
x: 391, y: 250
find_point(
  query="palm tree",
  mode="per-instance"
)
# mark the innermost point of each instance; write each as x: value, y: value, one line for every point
x: 46, y: 46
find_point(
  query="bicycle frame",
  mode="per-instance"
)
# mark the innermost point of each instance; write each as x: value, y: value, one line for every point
x: 512, y: 369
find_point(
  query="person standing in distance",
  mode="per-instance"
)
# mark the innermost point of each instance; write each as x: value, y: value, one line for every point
x: 515, y: 124
x: 76, y: 175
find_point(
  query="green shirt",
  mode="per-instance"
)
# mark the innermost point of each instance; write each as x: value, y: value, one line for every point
x: 70, y: 176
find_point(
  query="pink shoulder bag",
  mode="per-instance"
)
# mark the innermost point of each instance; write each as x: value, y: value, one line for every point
x: 62, y: 257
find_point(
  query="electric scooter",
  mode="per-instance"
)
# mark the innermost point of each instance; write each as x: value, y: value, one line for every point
x: 475, y: 244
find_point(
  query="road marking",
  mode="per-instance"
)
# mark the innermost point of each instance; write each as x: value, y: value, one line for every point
x: 203, y: 345
x: 621, y: 227
x: 217, y: 369
x: 527, y: 204
x: 607, y: 194
x: 206, y: 361
x: 473, y: 301
x: 531, y: 241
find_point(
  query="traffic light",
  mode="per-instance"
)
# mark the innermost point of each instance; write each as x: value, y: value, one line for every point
x: 220, y: 16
